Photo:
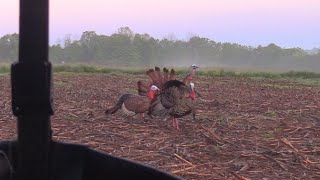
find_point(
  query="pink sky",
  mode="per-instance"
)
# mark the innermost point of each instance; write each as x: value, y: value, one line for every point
x: 288, y: 23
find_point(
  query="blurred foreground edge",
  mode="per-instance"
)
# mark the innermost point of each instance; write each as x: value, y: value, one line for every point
x: 78, y: 162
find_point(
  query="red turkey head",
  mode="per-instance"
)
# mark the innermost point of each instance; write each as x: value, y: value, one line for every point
x: 153, y: 90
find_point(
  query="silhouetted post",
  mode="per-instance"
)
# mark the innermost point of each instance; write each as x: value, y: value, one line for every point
x: 31, y: 85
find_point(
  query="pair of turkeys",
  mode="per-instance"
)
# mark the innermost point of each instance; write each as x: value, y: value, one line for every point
x: 162, y: 96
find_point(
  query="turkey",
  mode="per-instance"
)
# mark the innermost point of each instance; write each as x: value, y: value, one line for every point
x: 189, y: 77
x: 176, y: 99
x: 132, y: 104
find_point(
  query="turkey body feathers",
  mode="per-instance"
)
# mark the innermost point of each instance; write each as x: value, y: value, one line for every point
x: 130, y: 104
x: 143, y: 88
x: 173, y: 100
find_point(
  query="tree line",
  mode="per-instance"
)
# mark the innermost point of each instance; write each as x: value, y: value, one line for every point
x: 126, y: 48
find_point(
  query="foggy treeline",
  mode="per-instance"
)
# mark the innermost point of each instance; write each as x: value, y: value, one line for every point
x: 126, y: 48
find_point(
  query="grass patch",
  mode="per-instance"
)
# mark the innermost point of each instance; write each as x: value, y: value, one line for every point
x: 95, y: 69
x: 280, y: 86
x: 5, y: 68
x: 313, y: 81
x: 279, y: 129
x: 268, y: 135
x: 299, y: 76
x: 271, y: 114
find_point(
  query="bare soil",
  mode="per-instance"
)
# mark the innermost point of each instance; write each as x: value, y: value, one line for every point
x: 245, y: 128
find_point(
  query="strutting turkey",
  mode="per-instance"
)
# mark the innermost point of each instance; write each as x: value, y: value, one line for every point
x: 175, y: 98
x: 132, y: 104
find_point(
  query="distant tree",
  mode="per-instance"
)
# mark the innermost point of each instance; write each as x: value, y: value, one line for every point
x: 295, y: 52
x: 146, y: 47
x: 67, y: 40
x: 87, y: 37
x: 171, y: 37
x: 9, y: 45
x: 56, y: 54
x: 126, y: 31
x: 89, y: 43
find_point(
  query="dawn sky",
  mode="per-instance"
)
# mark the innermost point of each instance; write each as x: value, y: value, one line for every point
x: 288, y: 23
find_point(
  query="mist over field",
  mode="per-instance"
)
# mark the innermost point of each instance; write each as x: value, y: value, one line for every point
x: 125, y: 48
